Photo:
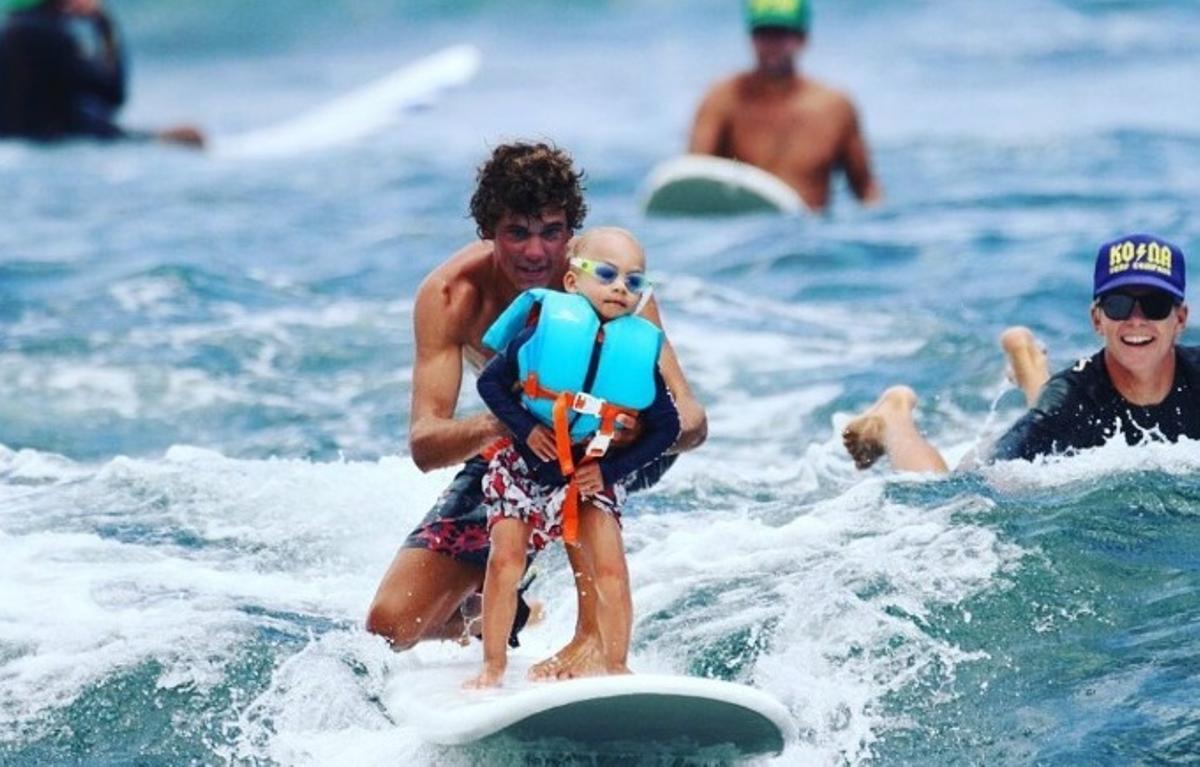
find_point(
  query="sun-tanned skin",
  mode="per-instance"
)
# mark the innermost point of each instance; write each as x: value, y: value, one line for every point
x: 783, y: 122
x: 889, y: 428
x: 420, y: 595
x: 1139, y: 358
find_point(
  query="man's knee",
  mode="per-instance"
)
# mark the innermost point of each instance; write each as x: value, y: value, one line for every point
x: 385, y: 619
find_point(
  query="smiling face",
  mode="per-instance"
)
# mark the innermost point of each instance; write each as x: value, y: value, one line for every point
x: 530, y: 251
x: 1138, y: 347
x: 618, y: 249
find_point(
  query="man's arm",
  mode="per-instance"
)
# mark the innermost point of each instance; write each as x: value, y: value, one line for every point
x: 693, y: 420
x: 857, y: 163
x: 708, y: 128
x: 435, y: 438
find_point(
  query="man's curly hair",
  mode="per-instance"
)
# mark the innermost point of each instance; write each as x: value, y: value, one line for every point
x: 527, y: 179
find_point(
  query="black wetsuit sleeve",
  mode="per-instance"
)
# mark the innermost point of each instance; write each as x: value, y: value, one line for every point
x: 1045, y: 429
x: 660, y: 429
x: 97, y: 77
x: 498, y: 386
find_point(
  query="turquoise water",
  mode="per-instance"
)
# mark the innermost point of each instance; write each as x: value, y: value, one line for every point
x: 206, y: 368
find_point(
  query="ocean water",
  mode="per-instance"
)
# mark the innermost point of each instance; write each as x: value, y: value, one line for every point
x: 206, y: 370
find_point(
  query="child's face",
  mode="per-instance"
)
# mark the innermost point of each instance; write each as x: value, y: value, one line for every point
x: 616, y: 252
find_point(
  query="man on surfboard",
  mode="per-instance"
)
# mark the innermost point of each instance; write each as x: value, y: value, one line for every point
x: 1141, y: 383
x: 777, y: 119
x: 49, y: 89
x: 527, y: 204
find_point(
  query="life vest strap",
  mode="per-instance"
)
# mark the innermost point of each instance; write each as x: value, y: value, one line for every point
x: 579, y: 402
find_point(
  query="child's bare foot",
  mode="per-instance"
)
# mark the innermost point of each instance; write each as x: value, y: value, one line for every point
x: 1027, y: 364
x: 865, y: 437
x: 491, y: 676
x: 581, y: 657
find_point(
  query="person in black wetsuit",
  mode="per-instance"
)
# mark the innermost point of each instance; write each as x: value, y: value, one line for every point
x: 1141, y: 385
x: 51, y: 90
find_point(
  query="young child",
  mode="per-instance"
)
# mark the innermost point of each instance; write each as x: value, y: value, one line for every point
x: 569, y: 368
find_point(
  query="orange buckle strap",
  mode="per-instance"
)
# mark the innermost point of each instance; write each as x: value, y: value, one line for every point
x: 570, y: 513
x: 562, y: 433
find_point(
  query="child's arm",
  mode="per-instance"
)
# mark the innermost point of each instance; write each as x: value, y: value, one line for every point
x: 660, y: 429
x: 498, y: 386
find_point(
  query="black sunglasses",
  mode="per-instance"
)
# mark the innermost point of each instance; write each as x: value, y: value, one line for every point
x: 1155, y: 306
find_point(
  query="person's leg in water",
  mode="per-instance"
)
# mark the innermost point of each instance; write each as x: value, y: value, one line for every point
x: 888, y: 427
x: 506, y: 564
x: 1026, y: 361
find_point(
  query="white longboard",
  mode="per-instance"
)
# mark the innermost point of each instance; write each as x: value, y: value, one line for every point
x: 616, y: 714
x: 702, y: 185
x: 360, y: 113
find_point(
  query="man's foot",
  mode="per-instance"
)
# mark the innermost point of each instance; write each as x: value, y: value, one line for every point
x: 1028, y: 367
x: 865, y: 437
x: 581, y: 657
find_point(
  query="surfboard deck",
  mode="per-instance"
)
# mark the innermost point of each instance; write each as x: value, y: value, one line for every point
x: 360, y: 113
x: 622, y: 714
x: 696, y: 185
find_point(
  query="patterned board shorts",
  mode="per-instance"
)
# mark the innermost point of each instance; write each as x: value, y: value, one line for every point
x: 457, y: 525
x: 510, y: 491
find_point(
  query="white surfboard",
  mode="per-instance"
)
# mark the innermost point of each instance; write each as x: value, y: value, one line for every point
x: 694, y: 185
x: 618, y: 714
x: 360, y: 113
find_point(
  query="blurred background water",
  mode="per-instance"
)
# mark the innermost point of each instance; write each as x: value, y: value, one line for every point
x: 206, y: 369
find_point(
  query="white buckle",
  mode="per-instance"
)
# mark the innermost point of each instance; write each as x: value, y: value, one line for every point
x: 599, y: 445
x: 587, y: 404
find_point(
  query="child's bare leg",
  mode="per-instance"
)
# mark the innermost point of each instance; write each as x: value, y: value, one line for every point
x: 581, y: 656
x: 887, y: 428
x: 600, y: 537
x: 1027, y: 360
x: 506, y: 563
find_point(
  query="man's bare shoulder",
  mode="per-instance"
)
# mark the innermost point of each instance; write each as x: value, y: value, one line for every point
x: 455, y: 289
x: 828, y: 99
x: 723, y: 92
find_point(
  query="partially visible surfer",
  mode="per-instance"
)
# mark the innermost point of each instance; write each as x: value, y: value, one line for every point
x: 782, y: 121
x: 567, y: 367
x: 1142, y: 385
x: 527, y: 203
x: 50, y: 89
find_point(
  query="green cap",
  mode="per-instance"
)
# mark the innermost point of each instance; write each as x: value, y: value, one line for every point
x: 13, y: 6
x: 788, y: 14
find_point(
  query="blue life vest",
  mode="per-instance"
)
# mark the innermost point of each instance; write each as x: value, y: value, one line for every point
x: 562, y: 351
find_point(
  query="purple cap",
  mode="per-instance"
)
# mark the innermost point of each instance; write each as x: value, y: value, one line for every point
x: 1140, y: 260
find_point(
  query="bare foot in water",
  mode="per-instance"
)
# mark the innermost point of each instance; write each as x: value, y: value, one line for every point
x: 491, y: 676
x: 581, y: 657
x: 1027, y: 364
x: 865, y: 437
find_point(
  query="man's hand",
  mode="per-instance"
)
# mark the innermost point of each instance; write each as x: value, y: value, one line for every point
x: 588, y: 479
x: 629, y: 432
x: 541, y: 442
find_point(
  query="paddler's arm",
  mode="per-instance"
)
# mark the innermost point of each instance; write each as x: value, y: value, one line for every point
x: 435, y: 437
x: 708, y: 128
x: 693, y: 421
x: 856, y: 161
